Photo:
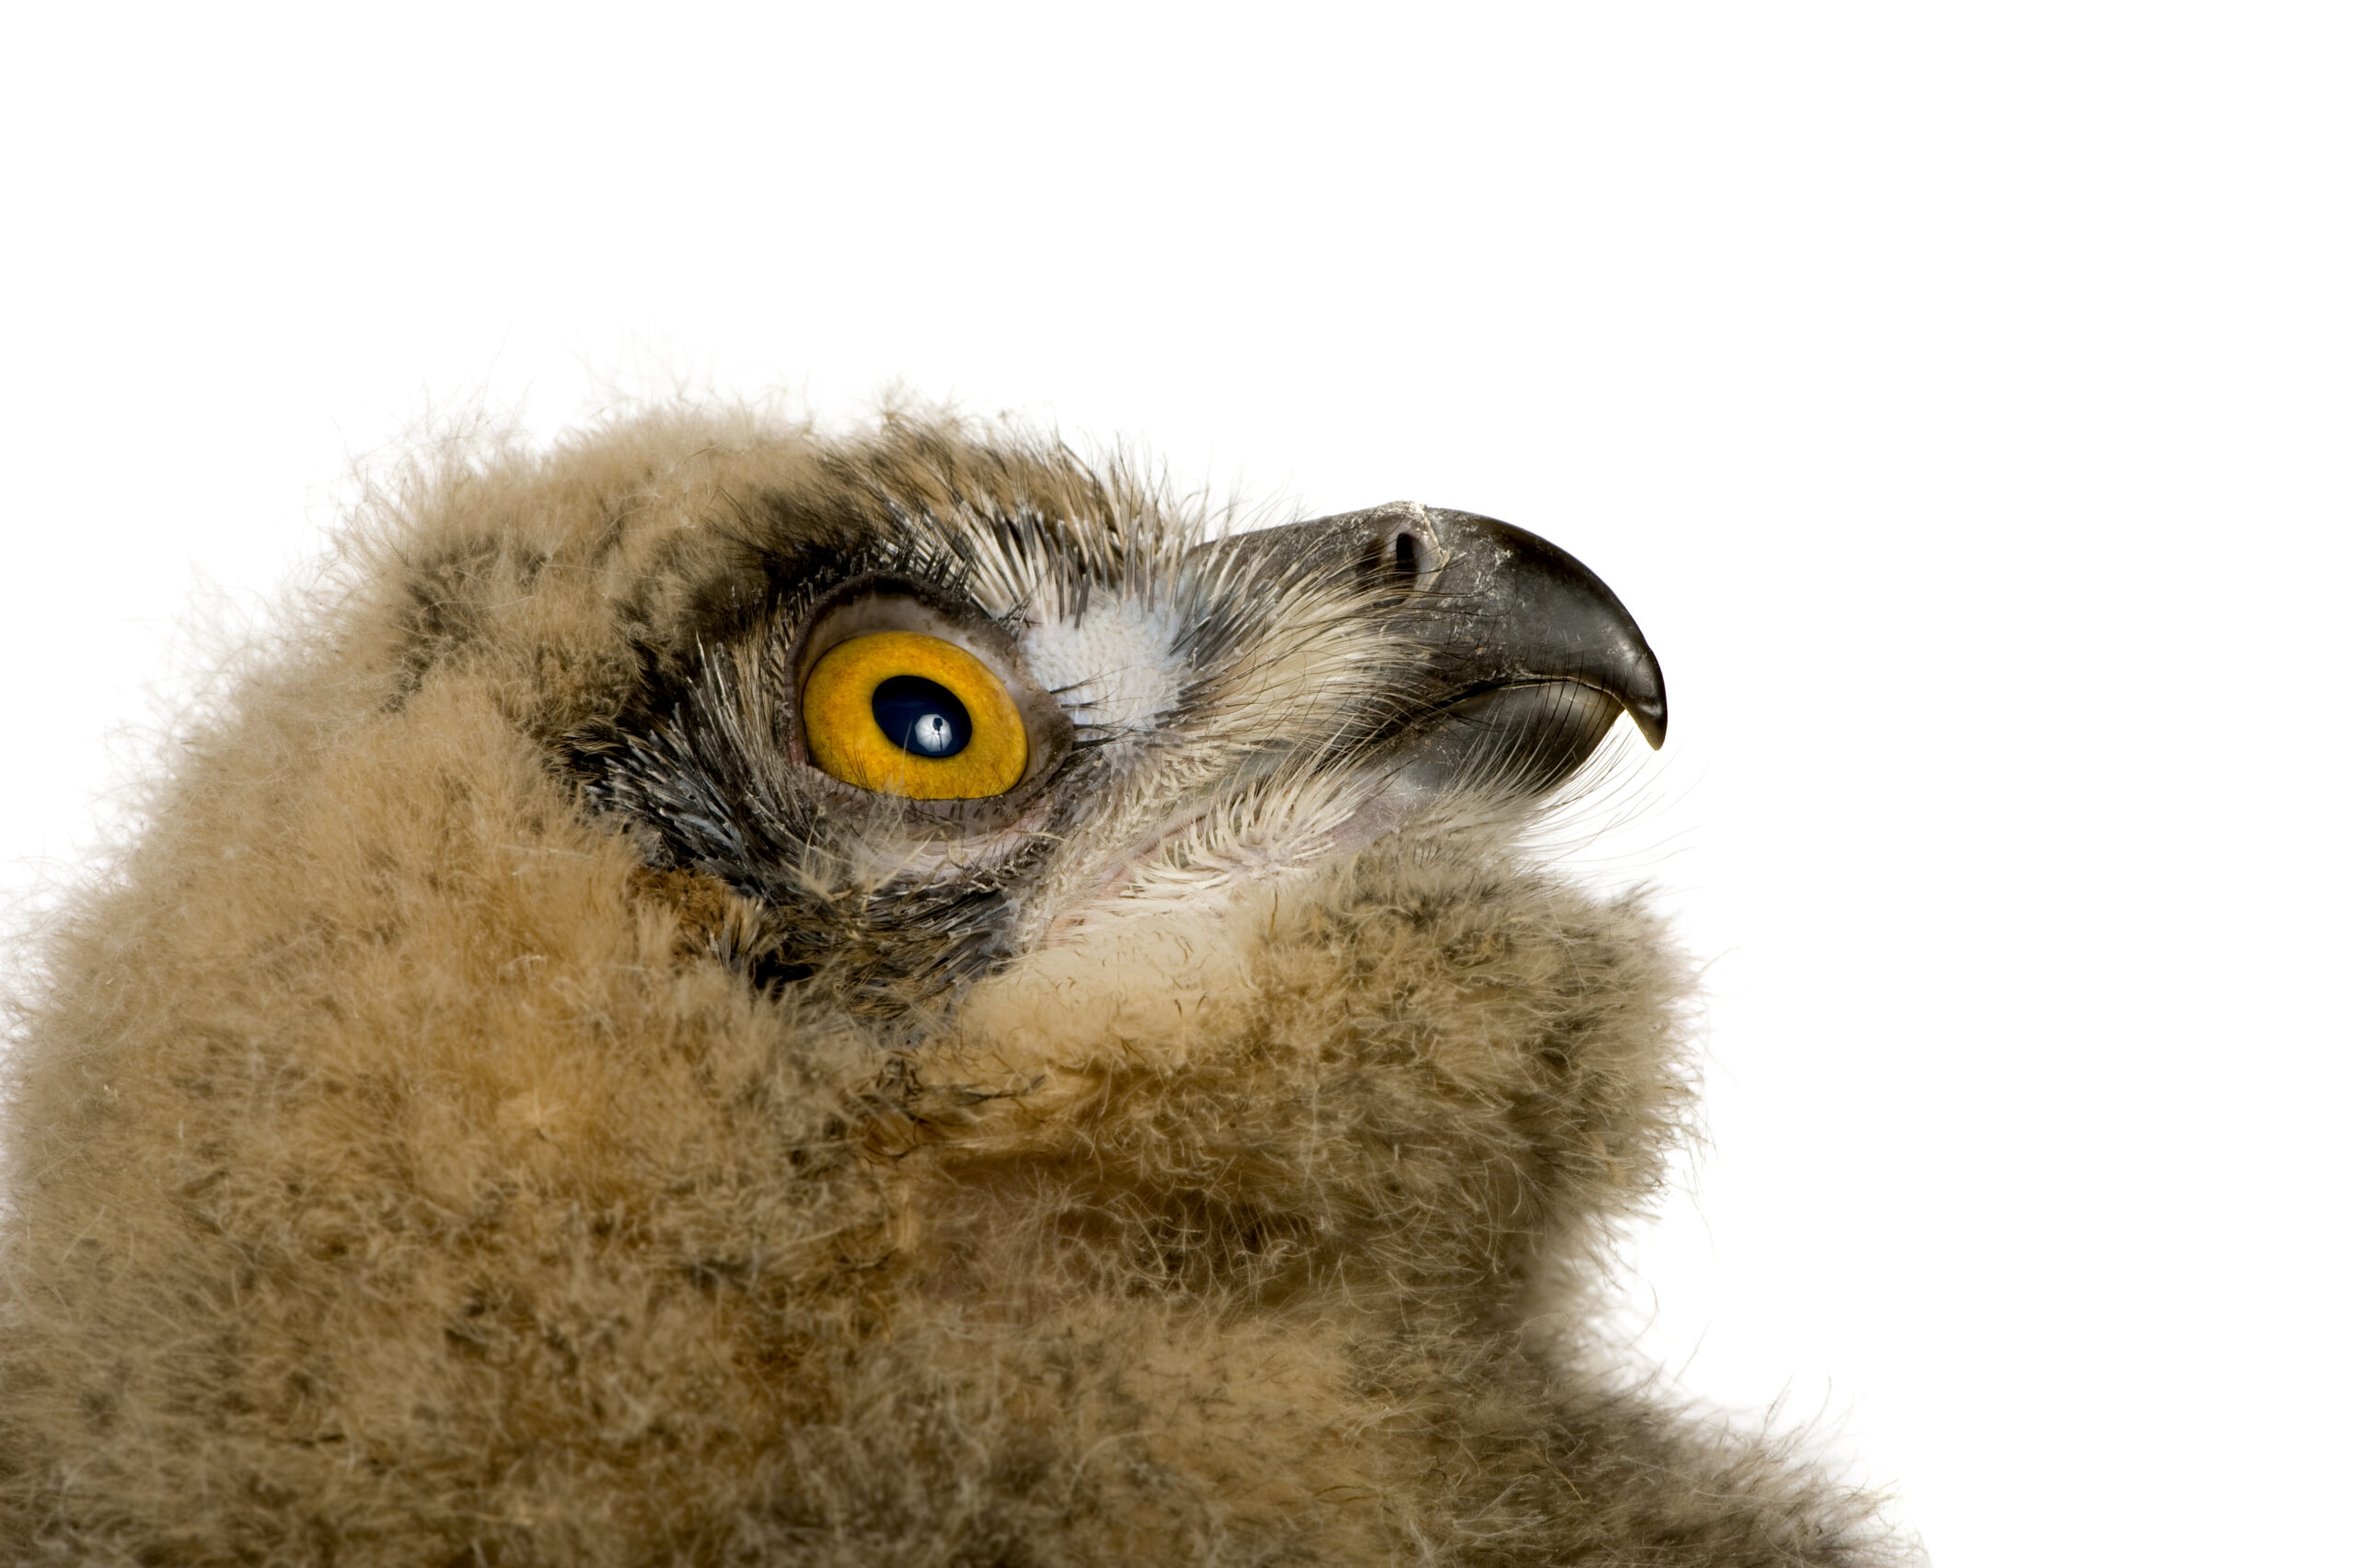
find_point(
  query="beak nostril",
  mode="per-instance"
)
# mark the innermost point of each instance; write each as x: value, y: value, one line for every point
x: 1394, y: 564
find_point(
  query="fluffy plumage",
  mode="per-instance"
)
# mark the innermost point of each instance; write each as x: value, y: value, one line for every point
x: 509, y: 1109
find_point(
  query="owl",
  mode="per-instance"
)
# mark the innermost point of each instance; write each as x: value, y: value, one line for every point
x: 726, y: 996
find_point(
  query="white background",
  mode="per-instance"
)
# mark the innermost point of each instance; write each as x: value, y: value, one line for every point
x: 1959, y: 395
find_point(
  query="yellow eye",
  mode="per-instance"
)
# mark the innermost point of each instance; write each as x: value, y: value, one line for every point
x: 906, y: 714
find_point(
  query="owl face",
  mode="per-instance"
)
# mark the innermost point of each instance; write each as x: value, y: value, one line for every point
x: 928, y: 733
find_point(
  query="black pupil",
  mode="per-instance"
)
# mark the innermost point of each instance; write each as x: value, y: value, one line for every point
x: 922, y: 717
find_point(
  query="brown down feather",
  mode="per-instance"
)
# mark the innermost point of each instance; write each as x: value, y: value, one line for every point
x: 401, y: 1172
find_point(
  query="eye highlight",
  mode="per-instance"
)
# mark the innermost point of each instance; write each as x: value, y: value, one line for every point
x: 905, y: 714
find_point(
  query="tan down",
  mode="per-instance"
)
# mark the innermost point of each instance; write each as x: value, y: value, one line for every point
x: 416, y: 1158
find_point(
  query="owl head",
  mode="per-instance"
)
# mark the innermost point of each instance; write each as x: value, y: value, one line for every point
x: 926, y: 705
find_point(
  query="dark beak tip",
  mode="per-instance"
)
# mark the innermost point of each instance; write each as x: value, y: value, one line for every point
x: 1647, y: 705
x: 1651, y: 719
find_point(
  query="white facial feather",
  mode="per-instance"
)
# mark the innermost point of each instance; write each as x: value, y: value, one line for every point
x: 1113, y: 666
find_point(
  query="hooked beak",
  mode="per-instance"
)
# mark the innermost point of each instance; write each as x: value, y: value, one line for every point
x: 1531, y: 658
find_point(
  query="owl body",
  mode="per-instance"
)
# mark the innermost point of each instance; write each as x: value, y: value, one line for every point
x: 515, y: 1105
